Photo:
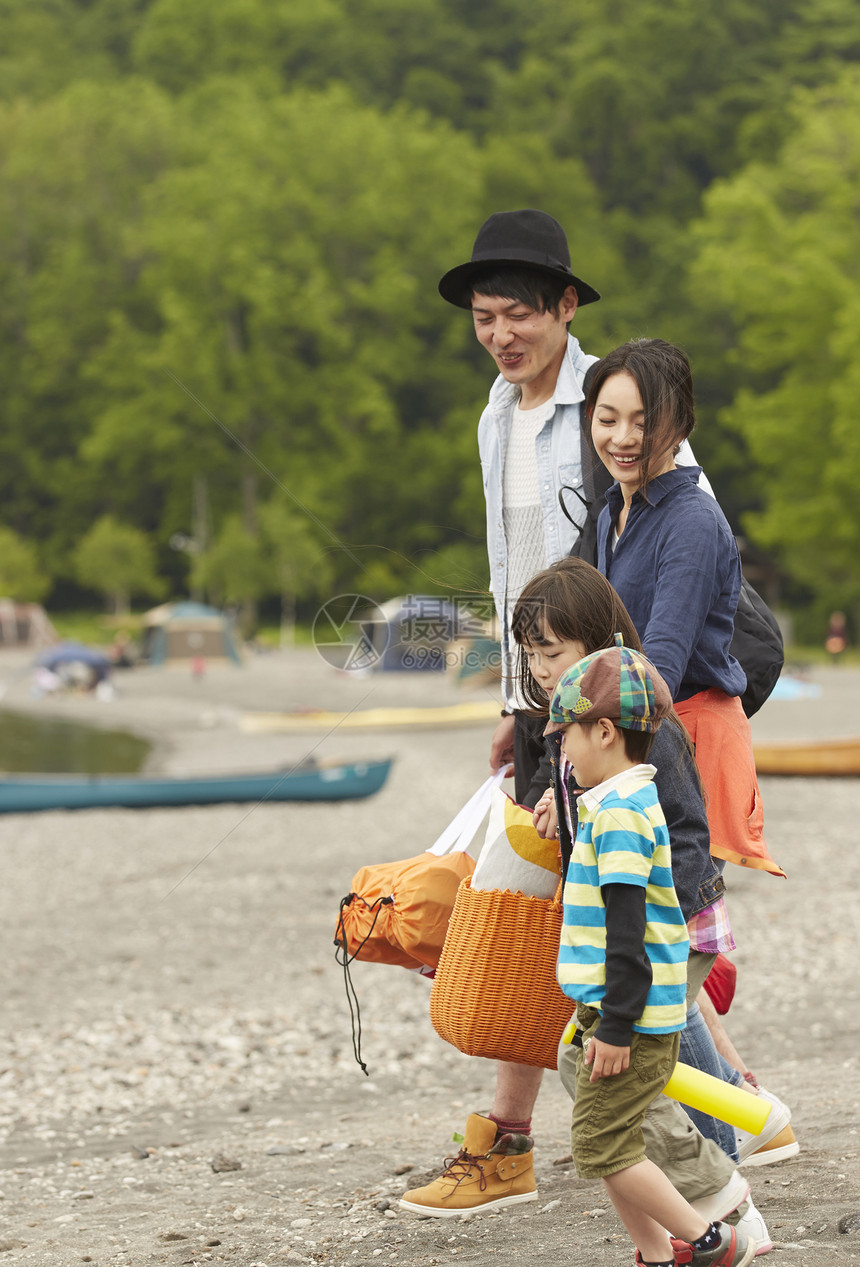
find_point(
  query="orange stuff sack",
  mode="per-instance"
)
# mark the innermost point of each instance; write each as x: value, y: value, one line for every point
x: 398, y: 912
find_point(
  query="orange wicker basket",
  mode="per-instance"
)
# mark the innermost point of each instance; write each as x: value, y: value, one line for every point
x: 495, y: 992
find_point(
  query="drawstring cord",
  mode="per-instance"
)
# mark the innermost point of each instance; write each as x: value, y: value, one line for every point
x: 344, y: 959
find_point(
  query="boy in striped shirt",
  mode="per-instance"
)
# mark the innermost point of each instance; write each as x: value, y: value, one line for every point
x: 623, y: 955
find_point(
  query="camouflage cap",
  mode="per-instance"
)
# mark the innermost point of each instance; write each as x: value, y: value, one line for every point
x: 616, y: 683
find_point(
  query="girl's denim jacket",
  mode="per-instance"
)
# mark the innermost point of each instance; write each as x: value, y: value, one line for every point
x: 698, y: 882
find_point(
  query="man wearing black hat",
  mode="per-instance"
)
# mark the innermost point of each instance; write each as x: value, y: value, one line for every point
x: 522, y: 293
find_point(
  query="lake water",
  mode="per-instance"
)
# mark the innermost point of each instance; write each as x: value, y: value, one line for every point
x: 45, y: 745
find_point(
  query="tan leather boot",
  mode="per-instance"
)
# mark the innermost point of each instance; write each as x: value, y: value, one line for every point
x: 484, y: 1175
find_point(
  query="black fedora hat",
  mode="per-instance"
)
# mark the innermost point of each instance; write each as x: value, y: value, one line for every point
x: 529, y: 239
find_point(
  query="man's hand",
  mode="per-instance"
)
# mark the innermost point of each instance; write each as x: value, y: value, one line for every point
x: 502, y: 746
x: 606, y: 1060
x: 545, y: 816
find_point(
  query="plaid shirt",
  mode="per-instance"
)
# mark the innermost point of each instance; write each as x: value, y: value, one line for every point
x: 710, y: 930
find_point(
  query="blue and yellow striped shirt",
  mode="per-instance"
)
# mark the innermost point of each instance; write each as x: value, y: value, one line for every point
x: 622, y: 839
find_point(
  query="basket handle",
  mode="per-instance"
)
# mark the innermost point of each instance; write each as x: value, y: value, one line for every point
x: 460, y: 832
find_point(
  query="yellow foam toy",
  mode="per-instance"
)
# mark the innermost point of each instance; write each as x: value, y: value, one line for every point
x: 720, y: 1099
x: 710, y: 1095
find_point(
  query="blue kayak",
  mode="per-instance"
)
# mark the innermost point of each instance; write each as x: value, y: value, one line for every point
x: 345, y: 782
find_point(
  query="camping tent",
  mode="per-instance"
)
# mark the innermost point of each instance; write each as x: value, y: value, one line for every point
x: 416, y: 634
x: 176, y: 633
x: 25, y: 625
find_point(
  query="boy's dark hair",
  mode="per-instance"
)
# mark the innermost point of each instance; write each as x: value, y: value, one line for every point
x: 525, y: 285
x: 637, y: 744
x: 662, y: 373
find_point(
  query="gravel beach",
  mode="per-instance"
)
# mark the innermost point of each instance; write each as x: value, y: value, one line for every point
x: 177, y: 1081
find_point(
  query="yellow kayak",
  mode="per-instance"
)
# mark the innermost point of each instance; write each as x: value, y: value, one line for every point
x: 466, y: 714
x: 809, y: 757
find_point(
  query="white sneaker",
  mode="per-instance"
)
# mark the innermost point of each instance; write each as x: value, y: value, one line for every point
x: 777, y: 1122
x: 721, y: 1204
x: 782, y: 1146
x: 754, y: 1225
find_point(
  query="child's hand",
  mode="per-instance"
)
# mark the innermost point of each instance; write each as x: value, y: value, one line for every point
x: 606, y: 1060
x: 502, y: 744
x: 545, y: 817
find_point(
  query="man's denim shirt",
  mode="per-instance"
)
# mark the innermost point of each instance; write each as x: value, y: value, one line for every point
x: 557, y: 449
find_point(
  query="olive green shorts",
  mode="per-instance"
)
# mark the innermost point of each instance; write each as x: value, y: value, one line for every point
x: 606, y: 1134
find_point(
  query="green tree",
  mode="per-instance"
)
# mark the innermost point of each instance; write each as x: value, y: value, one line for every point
x: 777, y: 261
x: 233, y: 571
x: 457, y: 570
x: 297, y: 566
x: 280, y: 335
x: 118, y: 561
x: 75, y: 170
x: 21, y: 577
x: 221, y: 228
x: 48, y: 43
x: 187, y: 298
x: 438, y: 55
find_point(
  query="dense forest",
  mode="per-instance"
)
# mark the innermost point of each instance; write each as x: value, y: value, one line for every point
x: 226, y: 367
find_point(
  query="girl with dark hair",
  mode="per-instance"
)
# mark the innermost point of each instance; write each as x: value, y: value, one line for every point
x: 569, y: 611
x: 662, y: 385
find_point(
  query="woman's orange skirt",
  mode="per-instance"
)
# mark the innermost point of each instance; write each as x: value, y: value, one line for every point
x: 720, y: 731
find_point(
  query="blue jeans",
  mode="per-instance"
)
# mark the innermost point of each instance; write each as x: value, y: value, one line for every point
x: 697, y: 1049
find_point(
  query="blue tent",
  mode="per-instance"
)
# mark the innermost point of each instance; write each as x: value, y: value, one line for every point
x: 72, y: 653
x: 418, y: 633
x: 177, y: 632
